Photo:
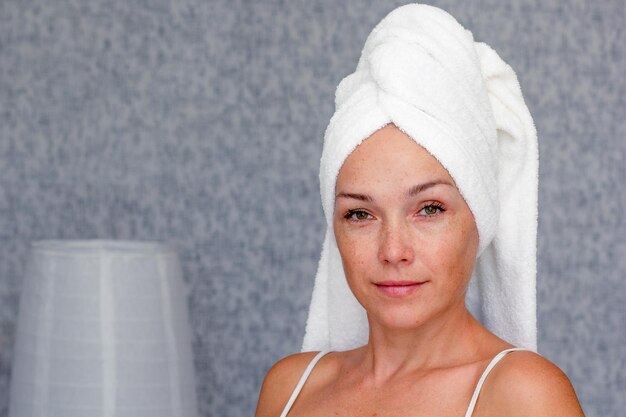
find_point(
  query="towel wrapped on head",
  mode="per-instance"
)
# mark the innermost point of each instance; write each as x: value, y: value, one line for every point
x: 422, y: 71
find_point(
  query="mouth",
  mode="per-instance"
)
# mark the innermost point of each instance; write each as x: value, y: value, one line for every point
x: 398, y: 289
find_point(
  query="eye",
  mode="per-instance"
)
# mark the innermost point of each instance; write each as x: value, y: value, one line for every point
x: 357, y: 215
x: 431, y: 210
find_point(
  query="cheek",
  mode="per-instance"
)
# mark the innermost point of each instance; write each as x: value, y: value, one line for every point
x: 351, y: 251
x: 356, y: 251
x: 456, y: 252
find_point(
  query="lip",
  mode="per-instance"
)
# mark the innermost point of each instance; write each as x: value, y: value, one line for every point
x: 398, y: 289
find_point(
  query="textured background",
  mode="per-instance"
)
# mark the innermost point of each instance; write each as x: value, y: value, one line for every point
x: 200, y: 123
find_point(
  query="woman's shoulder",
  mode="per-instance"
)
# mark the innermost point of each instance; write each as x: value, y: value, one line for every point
x: 280, y: 382
x: 525, y: 383
x: 290, y: 367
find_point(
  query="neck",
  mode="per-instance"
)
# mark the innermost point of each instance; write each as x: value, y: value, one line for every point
x: 442, y: 341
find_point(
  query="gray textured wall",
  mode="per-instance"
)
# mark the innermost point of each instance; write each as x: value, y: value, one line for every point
x: 200, y: 123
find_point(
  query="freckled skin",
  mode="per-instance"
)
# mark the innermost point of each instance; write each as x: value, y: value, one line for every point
x: 425, y: 351
x: 395, y: 243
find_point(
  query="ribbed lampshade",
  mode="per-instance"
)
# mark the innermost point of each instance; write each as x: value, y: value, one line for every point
x: 103, y: 331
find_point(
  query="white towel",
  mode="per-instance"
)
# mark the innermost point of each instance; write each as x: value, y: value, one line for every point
x: 421, y: 70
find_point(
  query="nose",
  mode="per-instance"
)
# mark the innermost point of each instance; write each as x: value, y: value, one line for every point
x: 396, y: 246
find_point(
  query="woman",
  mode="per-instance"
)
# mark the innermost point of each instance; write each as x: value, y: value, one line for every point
x: 429, y: 186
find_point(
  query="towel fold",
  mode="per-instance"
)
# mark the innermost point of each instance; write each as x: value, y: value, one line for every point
x: 422, y: 71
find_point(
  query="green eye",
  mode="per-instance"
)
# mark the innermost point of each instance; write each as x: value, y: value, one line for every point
x: 357, y: 215
x: 431, y: 210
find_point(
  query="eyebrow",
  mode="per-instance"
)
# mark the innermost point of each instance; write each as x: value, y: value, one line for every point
x: 411, y: 192
x: 354, y: 196
x: 416, y: 189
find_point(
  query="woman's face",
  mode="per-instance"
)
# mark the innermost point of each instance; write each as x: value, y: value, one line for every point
x: 407, y: 238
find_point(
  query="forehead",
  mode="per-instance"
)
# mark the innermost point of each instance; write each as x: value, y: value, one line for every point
x: 389, y: 156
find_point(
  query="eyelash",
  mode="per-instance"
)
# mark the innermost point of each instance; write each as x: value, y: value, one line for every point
x: 350, y: 213
x: 436, y: 205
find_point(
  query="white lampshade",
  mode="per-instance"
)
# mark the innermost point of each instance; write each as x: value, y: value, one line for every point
x: 103, y: 331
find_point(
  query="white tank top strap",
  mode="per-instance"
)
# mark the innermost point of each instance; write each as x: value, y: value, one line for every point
x: 494, y: 361
x: 301, y: 382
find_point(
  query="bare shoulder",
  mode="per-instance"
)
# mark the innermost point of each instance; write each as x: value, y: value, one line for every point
x: 280, y: 382
x: 526, y: 384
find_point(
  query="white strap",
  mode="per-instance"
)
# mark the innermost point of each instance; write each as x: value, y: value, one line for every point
x: 303, y: 379
x: 493, y: 363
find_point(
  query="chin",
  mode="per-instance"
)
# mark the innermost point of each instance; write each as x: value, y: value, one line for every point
x: 401, y: 317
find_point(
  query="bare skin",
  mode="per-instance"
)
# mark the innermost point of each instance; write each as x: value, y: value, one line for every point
x: 400, y: 218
